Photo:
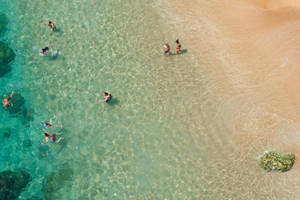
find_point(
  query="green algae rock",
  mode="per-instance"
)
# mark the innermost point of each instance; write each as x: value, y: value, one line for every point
x: 12, y: 183
x: 274, y: 161
x: 3, y: 23
x: 6, y: 56
x: 54, y: 183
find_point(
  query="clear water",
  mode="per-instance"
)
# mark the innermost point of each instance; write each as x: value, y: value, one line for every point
x: 160, y: 138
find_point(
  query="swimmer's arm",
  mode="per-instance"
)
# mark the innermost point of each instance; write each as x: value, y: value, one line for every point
x: 11, y: 95
x: 51, y: 119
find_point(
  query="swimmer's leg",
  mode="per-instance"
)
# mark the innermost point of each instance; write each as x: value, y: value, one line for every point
x: 45, y: 142
x: 51, y: 119
x: 11, y: 95
x: 57, y: 141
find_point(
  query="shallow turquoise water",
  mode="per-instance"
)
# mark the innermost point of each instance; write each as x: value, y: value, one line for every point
x: 160, y: 138
x: 125, y: 150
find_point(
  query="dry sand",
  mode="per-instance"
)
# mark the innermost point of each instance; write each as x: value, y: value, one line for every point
x: 275, y: 4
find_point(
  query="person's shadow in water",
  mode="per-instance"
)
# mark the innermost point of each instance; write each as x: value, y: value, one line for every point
x: 57, y: 56
x: 54, y: 57
x: 113, y: 102
x: 58, y: 31
x: 183, y: 51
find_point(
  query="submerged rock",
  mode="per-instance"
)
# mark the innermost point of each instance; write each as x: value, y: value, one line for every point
x: 6, y: 56
x: 3, y: 23
x: 28, y: 115
x: 271, y: 160
x: 54, y: 182
x: 27, y: 143
x: 12, y: 183
x: 6, y: 132
x: 35, y: 198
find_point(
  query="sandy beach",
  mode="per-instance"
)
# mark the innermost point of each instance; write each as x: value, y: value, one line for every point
x: 251, y: 48
x: 256, y: 42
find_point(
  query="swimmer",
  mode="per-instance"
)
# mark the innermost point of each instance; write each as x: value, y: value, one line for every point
x: 43, y: 51
x: 50, y: 24
x: 47, y: 125
x: 53, y: 138
x: 166, y: 48
x: 178, y: 46
x: 46, y: 138
x: 107, y: 97
x: 6, y: 102
x: 50, y: 123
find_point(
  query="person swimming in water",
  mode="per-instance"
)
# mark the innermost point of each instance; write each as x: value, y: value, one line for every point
x: 43, y: 51
x: 53, y: 138
x: 50, y: 123
x: 50, y: 24
x: 46, y: 138
x: 6, y: 100
x: 178, y: 46
x: 166, y: 48
x: 107, y: 97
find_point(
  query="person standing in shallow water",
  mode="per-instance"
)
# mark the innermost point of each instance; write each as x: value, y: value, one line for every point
x: 107, y: 97
x: 166, y: 48
x: 43, y: 51
x: 6, y: 102
x: 50, y: 24
x: 178, y: 46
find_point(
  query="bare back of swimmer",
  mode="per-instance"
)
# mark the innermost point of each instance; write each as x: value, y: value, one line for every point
x: 6, y: 102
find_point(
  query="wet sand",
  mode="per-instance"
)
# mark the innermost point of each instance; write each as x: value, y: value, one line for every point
x: 251, y: 48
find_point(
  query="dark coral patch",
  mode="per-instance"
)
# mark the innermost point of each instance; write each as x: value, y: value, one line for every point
x: 18, y: 104
x: 3, y: 23
x: 54, y: 182
x: 12, y: 183
x: 6, y: 56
